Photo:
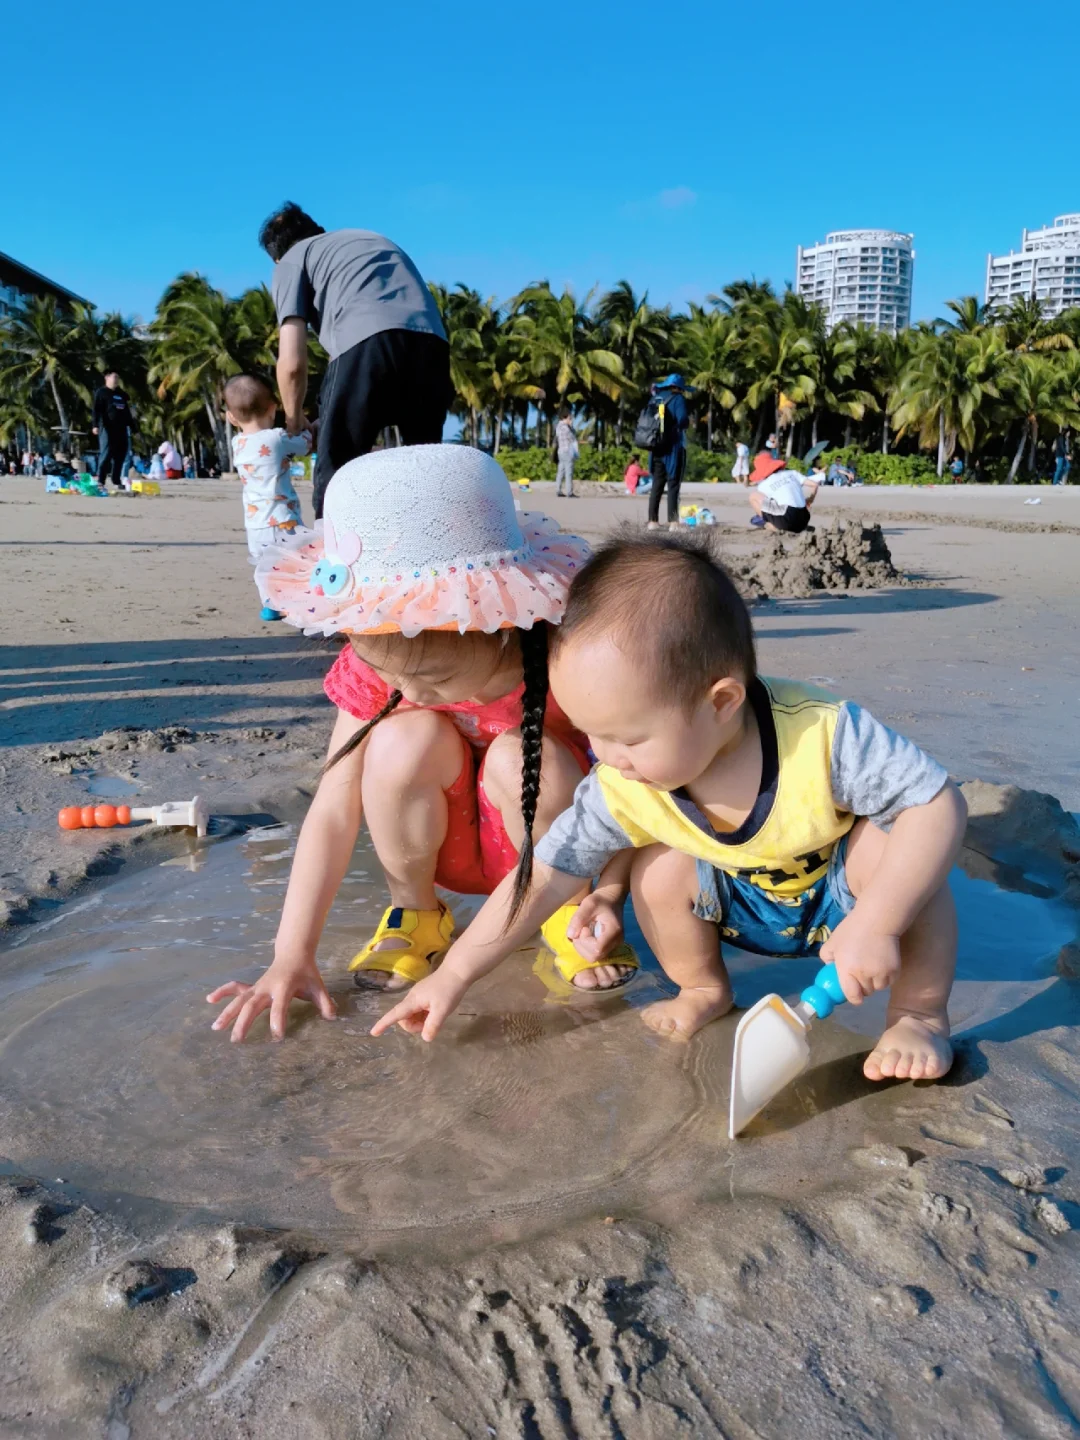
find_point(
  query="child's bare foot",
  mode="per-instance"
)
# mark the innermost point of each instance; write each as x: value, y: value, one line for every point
x: 684, y: 1016
x: 912, y: 1048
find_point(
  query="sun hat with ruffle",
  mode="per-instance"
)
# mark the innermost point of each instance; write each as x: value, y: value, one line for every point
x: 421, y: 537
x: 764, y: 466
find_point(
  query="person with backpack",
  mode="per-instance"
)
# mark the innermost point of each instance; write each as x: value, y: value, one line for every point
x: 661, y: 429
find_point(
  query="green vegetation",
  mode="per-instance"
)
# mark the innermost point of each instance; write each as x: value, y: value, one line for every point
x: 996, y: 389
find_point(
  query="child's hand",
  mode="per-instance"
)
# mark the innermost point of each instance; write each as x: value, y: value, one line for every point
x: 596, y: 927
x: 865, y: 959
x: 284, y: 981
x: 425, y: 1007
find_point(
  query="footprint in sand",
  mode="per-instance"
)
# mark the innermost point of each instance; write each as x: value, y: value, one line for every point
x: 948, y: 1133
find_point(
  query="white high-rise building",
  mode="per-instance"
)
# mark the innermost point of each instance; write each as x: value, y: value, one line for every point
x: 859, y: 275
x: 1045, y: 268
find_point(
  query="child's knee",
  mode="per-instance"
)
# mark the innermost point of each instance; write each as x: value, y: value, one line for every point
x: 407, y: 746
x: 503, y: 766
x: 661, y: 876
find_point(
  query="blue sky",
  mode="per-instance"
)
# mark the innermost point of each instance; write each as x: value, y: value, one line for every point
x: 679, y: 146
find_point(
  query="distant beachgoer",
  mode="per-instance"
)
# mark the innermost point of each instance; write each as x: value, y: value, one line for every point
x: 669, y: 456
x: 174, y: 466
x: 634, y: 476
x: 189, y: 467
x: 772, y: 445
x: 113, y: 423
x: 1062, y: 458
x: 27, y: 463
x: 780, y: 499
x: 740, y: 471
x: 956, y: 470
x: 380, y: 325
x: 840, y: 475
x: 263, y: 455
x: 157, y: 468
x: 566, y: 445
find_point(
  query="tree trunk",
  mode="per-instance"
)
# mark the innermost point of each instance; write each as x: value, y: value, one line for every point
x: 496, y: 434
x: 1034, y: 445
x: 885, y: 435
x: 760, y: 431
x: 708, y: 424
x: 61, y: 414
x: 941, y: 444
x: 790, y: 442
x: 217, y: 430
x: 847, y: 431
x: 813, y: 431
x: 619, y: 422
x: 1015, y: 466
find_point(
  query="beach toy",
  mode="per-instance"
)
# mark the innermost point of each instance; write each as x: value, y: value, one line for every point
x: 145, y: 487
x: 771, y: 1048
x: 524, y: 484
x: 54, y: 485
x: 183, y: 814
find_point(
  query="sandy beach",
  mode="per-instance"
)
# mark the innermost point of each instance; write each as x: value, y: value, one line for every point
x: 537, y: 1228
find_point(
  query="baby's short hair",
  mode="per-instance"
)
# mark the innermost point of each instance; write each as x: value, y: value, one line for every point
x: 248, y: 396
x: 668, y: 603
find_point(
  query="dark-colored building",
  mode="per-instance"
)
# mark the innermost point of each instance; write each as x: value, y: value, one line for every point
x: 19, y: 282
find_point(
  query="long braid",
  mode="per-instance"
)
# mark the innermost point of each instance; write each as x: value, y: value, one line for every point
x: 534, y: 653
x: 364, y: 731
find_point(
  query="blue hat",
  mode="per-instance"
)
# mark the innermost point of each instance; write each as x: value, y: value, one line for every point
x: 674, y: 381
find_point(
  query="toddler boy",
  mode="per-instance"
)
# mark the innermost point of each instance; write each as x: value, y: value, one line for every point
x: 263, y: 455
x: 766, y: 812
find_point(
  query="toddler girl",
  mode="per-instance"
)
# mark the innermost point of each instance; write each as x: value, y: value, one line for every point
x: 446, y: 737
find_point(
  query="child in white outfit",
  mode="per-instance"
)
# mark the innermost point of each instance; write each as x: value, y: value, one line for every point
x: 263, y: 456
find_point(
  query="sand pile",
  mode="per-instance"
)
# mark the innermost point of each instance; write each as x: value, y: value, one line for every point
x: 847, y: 556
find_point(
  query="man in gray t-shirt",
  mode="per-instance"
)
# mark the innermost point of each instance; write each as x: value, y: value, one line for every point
x: 378, y: 322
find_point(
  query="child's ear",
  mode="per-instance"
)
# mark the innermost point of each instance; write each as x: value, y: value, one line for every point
x: 727, y: 696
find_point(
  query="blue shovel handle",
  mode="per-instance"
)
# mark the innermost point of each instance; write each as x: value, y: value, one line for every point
x: 825, y: 993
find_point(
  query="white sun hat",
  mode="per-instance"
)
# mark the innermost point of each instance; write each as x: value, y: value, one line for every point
x: 421, y: 537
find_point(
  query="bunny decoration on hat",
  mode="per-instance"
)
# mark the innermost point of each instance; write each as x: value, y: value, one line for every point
x: 422, y: 537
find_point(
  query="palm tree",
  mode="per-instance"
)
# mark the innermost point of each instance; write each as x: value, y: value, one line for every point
x: 1034, y: 392
x: 781, y: 357
x: 558, y: 339
x: 202, y: 338
x: 708, y: 350
x: 971, y: 316
x: 44, y: 348
x: 950, y: 380
x: 1025, y: 328
x: 638, y: 334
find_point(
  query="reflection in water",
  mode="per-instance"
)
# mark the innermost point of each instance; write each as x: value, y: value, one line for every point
x: 524, y: 1114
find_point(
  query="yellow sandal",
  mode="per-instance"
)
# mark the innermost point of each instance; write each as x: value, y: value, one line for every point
x: 427, y: 932
x: 557, y: 969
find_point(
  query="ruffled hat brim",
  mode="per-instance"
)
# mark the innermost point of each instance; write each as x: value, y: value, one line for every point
x: 488, y: 594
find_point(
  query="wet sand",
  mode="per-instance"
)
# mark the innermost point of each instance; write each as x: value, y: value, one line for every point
x: 537, y: 1228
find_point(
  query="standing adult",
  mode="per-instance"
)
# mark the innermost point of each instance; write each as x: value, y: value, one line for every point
x: 669, y: 453
x: 378, y: 322
x: 1062, y: 458
x: 113, y: 423
x: 740, y: 471
x: 566, y: 448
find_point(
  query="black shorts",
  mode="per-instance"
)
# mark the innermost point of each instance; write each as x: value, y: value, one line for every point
x: 396, y: 377
x: 795, y: 519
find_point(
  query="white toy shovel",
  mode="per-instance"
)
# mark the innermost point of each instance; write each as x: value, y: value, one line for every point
x: 771, y: 1048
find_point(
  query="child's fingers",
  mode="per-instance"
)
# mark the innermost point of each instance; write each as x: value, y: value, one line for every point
x: 279, y: 1012
x: 325, y: 1006
x: 254, y: 1005
x: 229, y: 1014
x: 433, y: 1024
x: 231, y: 987
x: 852, y: 988
x: 400, y: 1011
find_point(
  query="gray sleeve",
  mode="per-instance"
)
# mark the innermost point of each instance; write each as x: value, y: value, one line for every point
x: 584, y: 838
x: 878, y: 773
x: 291, y: 291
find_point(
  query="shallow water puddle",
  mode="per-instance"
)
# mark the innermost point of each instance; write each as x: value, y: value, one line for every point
x: 525, y: 1113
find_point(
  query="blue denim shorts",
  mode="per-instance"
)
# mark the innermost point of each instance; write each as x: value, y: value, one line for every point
x: 791, y: 926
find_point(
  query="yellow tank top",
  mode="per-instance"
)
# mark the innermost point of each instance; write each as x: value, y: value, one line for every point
x: 791, y: 847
